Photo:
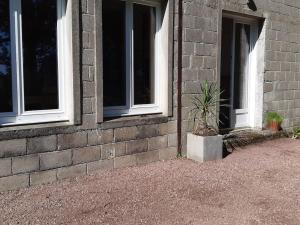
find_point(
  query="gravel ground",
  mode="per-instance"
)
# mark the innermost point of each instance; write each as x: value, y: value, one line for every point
x: 259, y: 184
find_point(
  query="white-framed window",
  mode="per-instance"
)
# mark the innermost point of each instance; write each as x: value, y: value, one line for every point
x: 132, y: 73
x: 35, y: 82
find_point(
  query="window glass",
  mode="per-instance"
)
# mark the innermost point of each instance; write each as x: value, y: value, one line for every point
x: 144, y: 25
x: 39, y: 34
x: 114, y: 80
x: 5, y: 59
x: 242, y: 50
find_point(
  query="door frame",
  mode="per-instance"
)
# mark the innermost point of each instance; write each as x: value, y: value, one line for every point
x: 255, y: 89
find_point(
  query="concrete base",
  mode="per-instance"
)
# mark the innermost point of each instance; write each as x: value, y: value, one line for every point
x: 203, y: 149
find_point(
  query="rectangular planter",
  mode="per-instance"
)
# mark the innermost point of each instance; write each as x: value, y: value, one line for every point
x: 203, y: 149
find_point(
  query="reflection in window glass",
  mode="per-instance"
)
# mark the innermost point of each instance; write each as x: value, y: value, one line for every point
x: 5, y: 59
x: 242, y: 50
x: 114, y: 82
x: 144, y: 45
x: 39, y: 30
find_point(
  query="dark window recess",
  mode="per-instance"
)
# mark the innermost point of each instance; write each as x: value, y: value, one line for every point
x: 242, y: 50
x: 226, y: 63
x: 144, y: 26
x: 114, y: 78
x: 39, y: 30
x: 5, y: 59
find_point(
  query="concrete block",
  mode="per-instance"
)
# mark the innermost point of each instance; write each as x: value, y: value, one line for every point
x: 74, y: 140
x: 88, y: 89
x: 108, y: 151
x: 72, y: 171
x: 125, y: 134
x: 42, y: 177
x: 94, y: 137
x: 88, y: 23
x: 172, y: 140
x: 88, y: 57
x: 158, y: 142
x: 100, y: 165
x: 172, y: 127
x: 154, y: 130
x: 25, y: 164
x: 42, y: 144
x: 5, y: 167
x: 136, y: 146
x: 54, y: 160
x: 125, y: 161
x: 87, y: 107
x: 107, y: 136
x: 87, y: 154
x: 12, y: 148
x: 147, y: 157
x: 14, y: 182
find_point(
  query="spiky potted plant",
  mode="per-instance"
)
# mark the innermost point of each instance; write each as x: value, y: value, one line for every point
x: 204, y: 143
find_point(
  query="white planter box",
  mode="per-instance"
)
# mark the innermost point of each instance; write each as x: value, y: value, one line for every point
x: 203, y: 149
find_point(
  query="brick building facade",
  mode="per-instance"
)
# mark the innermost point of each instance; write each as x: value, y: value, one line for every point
x: 97, y: 135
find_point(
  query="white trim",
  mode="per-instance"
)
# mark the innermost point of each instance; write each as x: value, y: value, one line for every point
x: 131, y: 109
x: 19, y: 115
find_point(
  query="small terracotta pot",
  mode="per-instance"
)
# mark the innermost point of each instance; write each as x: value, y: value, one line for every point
x: 274, y: 126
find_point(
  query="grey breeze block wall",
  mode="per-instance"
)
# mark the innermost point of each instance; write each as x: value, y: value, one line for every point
x: 39, y: 154
x: 281, y: 30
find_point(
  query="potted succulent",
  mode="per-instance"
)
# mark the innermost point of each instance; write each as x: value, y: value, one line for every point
x: 274, y: 121
x: 204, y: 143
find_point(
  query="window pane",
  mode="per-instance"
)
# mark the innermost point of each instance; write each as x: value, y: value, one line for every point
x: 114, y: 79
x: 242, y: 50
x: 144, y: 20
x: 39, y: 30
x: 5, y: 59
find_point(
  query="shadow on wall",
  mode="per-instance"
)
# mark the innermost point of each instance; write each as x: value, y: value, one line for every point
x: 251, y: 4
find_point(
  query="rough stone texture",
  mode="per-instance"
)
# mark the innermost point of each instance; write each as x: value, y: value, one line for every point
x: 75, y: 140
x: 5, y: 167
x: 72, y: 171
x: 147, y: 157
x: 14, y: 182
x: 280, y: 34
x: 63, y: 145
x: 25, y: 164
x: 167, y: 154
x: 12, y: 148
x: 200, y: 61
x: 100, y: 165
x: 160, y: 142
x: 43, y: 177
x: 87, y: 154
x: 125, y: 161
x: 55, y: 159
x: 42, y: 144
x: 125, y: 134
x: 137, y: 146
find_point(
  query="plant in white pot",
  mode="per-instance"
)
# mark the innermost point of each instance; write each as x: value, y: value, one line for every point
x: 204, y: 143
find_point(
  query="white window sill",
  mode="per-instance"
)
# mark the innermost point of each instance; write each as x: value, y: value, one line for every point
x: 135, y: 111
x: 32, y: 119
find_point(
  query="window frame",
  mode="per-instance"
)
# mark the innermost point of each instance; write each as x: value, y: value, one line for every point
x: 19, y: 116
x: 130, y: 108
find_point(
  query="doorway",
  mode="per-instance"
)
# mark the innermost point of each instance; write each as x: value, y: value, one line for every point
x: 239, y: 36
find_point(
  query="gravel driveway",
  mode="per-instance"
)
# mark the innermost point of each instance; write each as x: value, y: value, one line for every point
x: 259, y: 184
